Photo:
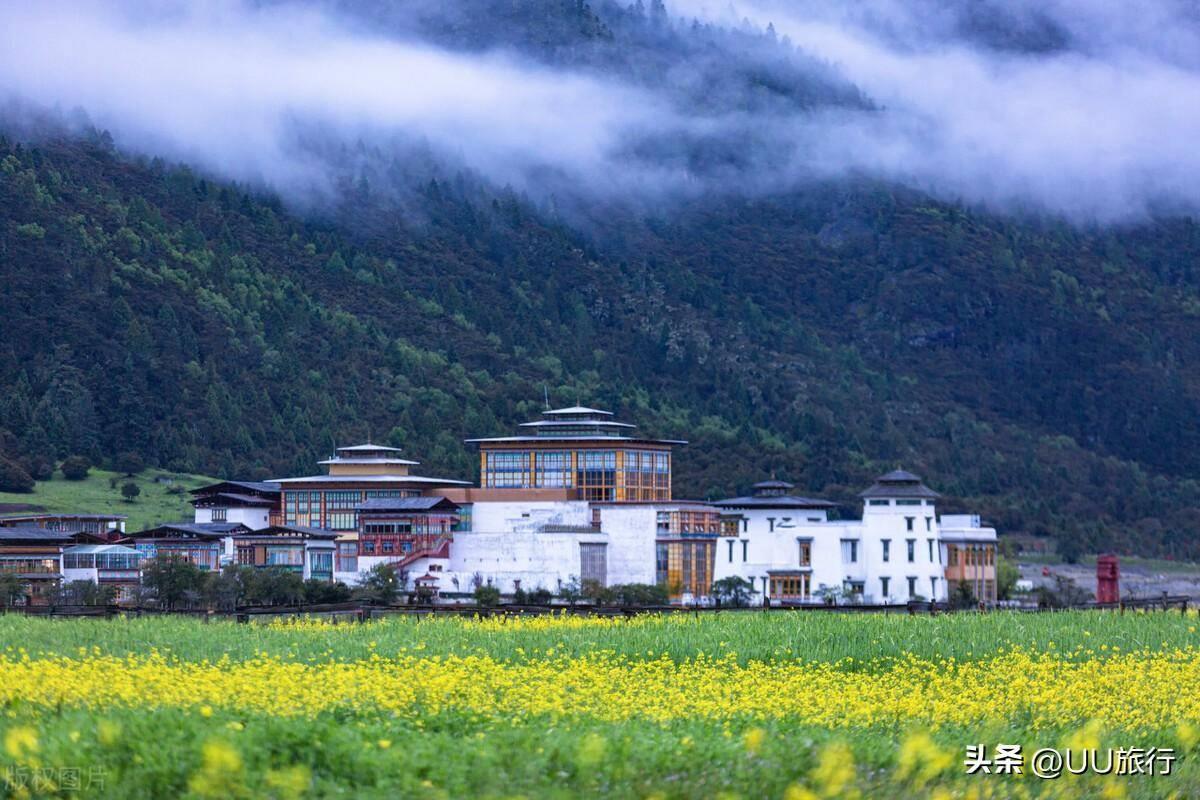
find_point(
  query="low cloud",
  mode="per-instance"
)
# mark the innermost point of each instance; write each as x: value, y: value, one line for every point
x: 1092, y: 114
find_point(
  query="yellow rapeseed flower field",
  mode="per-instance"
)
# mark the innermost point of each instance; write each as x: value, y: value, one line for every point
x: 567, y: 706
x: 1140, y: 690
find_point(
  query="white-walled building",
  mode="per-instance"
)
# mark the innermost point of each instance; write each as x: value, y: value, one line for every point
x: 790, y: 552
x: 578, y: 498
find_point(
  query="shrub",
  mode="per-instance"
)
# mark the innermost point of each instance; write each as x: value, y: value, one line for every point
x: 380, y: 585
x: 487, y: 596
x: 129, y: 463
x: 14, y: 478
x: 75, y: 468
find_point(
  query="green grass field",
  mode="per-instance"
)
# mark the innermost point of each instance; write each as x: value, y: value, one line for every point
x: 98, y: 495
x: 736, y: 705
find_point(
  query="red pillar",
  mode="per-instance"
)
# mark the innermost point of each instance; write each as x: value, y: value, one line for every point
x: 1108, y: 579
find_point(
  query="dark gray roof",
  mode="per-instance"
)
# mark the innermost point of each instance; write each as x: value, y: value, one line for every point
x: 773, y: 484
x: 405, y: 503
x: 774, y: 501
x: 33, y: 534
x: 901, y: 484
x: 244, y: 499
x: 276, y: 531
x: 254, y: 486
x: 203, y: 530
x: 58, y: 515
x: 574, y: 410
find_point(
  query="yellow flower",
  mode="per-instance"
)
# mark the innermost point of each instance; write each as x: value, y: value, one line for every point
x: 384, y: 744
x: 591, y: 750
x: 835, y: 770
x: 20, y: 742
x: 220, y: 773
x: 290, y: 782
x: 754, y: 740
x: 206, y: 711
x: 921, y: 759
x: 798, y: 792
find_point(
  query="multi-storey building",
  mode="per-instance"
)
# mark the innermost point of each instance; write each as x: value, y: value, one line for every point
x: 581, y: 449
x: 356, y: 474
x: 34, y: 556
x: 108, y: 527
x: 578, y: 497
x: 255, y: 504
x: 970, y: 554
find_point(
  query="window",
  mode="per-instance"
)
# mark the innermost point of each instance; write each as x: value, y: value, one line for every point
x: 663, y: 521
x: 322, y: 565
x: 932, y: 587
x: 596, y: 474
x: 883, y: 587
x: 908, y: 523
x: 504, y: 469
x: 908, y: 502
x: 929, y: 523
x: 731, y: 551
x: 347, y: 557
x: 790, y: 587
x: 553, y: 468
x: 368, y: 547
x: 887, y: 550
x: 912, y: 550
x: 806, y: 552
x: 745, y: 549
x: 388, y: 546
x: 593, y: 563
x: 878, y: 502
x: 220, y: 514
x: 850, y: 551
x: 912, y: 587
x: 931, y: 558
x: 952, y: 555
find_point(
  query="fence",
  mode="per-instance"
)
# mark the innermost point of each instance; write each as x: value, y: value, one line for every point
x: 359, y: 612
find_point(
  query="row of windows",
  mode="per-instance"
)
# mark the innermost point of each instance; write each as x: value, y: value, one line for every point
x: 791, y: 586
x: 334, y: 509
x: 32, y: 565
x: 685, y: 567
x: 101, y: 560
x: 602, y: 475
x: 899, y: 502
x: 688, y: 522
x: 984, y: 556
x: 885, y: 585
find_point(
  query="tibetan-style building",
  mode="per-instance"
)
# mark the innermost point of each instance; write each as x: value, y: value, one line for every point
x: 108, y: 527
x: 355, y: 475
x: 34, y: 556
x: 582, y: 449
x: 255, y: 504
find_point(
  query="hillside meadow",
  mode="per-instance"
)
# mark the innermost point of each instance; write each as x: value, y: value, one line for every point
x: 791, y: 705
x: 164, y: 496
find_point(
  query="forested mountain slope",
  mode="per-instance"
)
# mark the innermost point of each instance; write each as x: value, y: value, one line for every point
x: 824, y: 329
x: 1042, y: 374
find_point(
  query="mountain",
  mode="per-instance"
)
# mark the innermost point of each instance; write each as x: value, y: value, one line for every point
x: 1043, y: 373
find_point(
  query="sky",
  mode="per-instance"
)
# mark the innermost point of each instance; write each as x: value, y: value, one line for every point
x: 1100, y: 126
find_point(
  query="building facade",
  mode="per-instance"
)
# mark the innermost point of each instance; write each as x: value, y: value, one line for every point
x: 355, y: 475
x: 255, y: 504
x: 581, y: 449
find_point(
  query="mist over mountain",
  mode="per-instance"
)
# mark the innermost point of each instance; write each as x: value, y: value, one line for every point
x: 816, y: 240
x: 1063, y: 107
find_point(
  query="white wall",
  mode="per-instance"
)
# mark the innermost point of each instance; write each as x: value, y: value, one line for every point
x: 890, y: 522
x: 253, y: 518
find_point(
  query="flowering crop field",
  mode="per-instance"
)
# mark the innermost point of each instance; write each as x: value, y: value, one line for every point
x: 751, y: 705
